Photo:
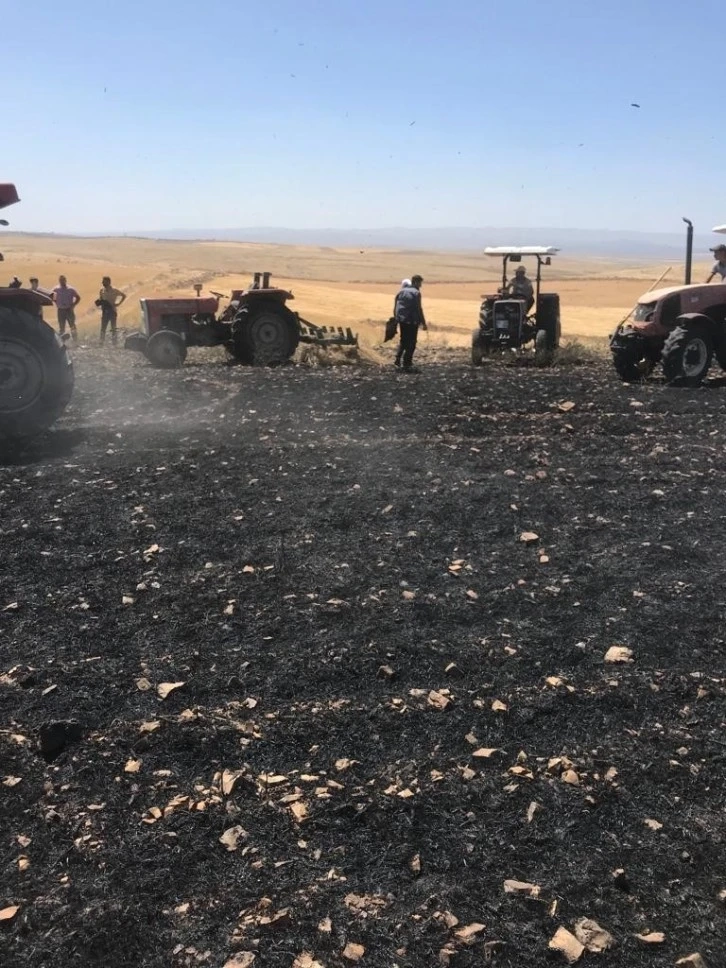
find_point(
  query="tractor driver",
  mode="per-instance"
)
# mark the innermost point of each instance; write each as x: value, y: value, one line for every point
x: 521, y: 288
x: 719, y: 268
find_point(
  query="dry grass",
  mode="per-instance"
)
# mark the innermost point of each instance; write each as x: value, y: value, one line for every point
x: 361, y: 355
x: 333, y: 287
x: 581, y: 352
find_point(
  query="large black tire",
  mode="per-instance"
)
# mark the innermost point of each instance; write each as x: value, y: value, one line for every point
x: 36, y: 375
x: 548, y: 318
x: 166, y: 349
x: 239, y: 346
x: 628, y: 355
x: 484, y: 313
x: 477, y: 348
x: 687, y: 355
x: 265, y: 335
x: 544, y: 351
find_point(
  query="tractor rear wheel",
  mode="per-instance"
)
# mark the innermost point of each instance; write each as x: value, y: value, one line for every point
x: 36, y: 375
x: 266, y: 336
x: 548, y: 318
x: 543, y: 348
x: 238, y: 346
x: 687, y: 355
x: 166, y: 349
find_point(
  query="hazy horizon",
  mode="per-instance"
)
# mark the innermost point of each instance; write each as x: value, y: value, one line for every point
x: 594, y: 242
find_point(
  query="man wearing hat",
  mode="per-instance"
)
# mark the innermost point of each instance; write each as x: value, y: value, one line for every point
x: 409, y: 316
x: 521, y: 288
x: 720, y: 268
x: 35, y: 287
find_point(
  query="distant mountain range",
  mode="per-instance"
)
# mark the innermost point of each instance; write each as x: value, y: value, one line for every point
x: 625, y: 245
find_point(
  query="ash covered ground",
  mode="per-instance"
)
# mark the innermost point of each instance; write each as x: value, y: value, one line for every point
x: 378, y: 608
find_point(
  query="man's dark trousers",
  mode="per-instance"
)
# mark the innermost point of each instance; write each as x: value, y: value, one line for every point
x: 406, y: 347
x: 108, y: 316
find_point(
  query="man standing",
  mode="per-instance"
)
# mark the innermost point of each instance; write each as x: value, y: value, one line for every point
x: 35, y: 287
x: 109, y: 299
x: 66, y: 298
x: 409, y: 315
x: 720, y: 268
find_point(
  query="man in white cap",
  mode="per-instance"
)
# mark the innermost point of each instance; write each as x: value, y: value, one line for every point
x: 405, y: 283
x: 719, y: 268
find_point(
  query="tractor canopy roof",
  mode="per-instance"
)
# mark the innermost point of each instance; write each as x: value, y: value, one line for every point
x: 500, y: 250
x: 8, y: 195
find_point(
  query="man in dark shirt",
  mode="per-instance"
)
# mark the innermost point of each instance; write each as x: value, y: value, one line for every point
x: 409, y: 315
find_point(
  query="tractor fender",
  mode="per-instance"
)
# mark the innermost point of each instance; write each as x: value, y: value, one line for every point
x: 26, y: 300
x: 715, y: 330
x: 695, y: 319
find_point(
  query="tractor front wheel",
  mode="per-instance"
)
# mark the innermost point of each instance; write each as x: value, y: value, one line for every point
x: 687, y: 355
x: 629, y: 358
x: 166, y: 349
x: 36, y: 375
x: 478, y: 349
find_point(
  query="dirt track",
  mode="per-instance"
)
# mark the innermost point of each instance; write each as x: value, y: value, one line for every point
x: 326, y: 559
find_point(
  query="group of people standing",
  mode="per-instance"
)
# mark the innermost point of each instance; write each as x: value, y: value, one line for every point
x: 66, y: 298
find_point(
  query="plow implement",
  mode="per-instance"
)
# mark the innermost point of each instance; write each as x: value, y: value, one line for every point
x: 325, y: 335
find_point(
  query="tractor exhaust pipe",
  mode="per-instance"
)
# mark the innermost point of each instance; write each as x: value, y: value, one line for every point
x: 689, y: 250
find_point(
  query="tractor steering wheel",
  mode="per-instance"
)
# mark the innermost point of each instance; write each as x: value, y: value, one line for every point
x: 219, y: 295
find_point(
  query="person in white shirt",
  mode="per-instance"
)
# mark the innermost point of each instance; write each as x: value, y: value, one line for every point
x: 719, y: 268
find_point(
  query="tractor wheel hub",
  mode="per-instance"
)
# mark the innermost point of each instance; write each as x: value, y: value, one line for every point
x: 22, y: 375
x: 695, y: 356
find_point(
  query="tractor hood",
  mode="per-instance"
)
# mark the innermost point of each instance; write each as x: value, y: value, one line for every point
x: 8, y: 195
x: 656, y: 294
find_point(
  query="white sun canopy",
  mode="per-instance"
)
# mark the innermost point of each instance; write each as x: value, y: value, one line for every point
x: 501, y: 250
x: 721, y: 229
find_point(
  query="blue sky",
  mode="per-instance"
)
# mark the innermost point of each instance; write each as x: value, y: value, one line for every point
x: 363, y: 113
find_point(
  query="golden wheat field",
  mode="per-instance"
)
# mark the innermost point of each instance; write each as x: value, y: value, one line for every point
x: 340, y: 287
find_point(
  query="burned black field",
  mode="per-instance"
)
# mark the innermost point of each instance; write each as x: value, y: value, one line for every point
x: 329, y: 647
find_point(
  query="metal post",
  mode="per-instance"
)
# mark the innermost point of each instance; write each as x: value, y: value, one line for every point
x: 256, y: 282
x: 266, y: 280
x: 689, y: 250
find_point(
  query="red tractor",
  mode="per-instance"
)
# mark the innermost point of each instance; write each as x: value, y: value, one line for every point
x: 681, y: 327
x: 36, y: 374
x: 256, y: 326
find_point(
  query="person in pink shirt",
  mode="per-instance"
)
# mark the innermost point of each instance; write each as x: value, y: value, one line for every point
x: 66, y: 298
